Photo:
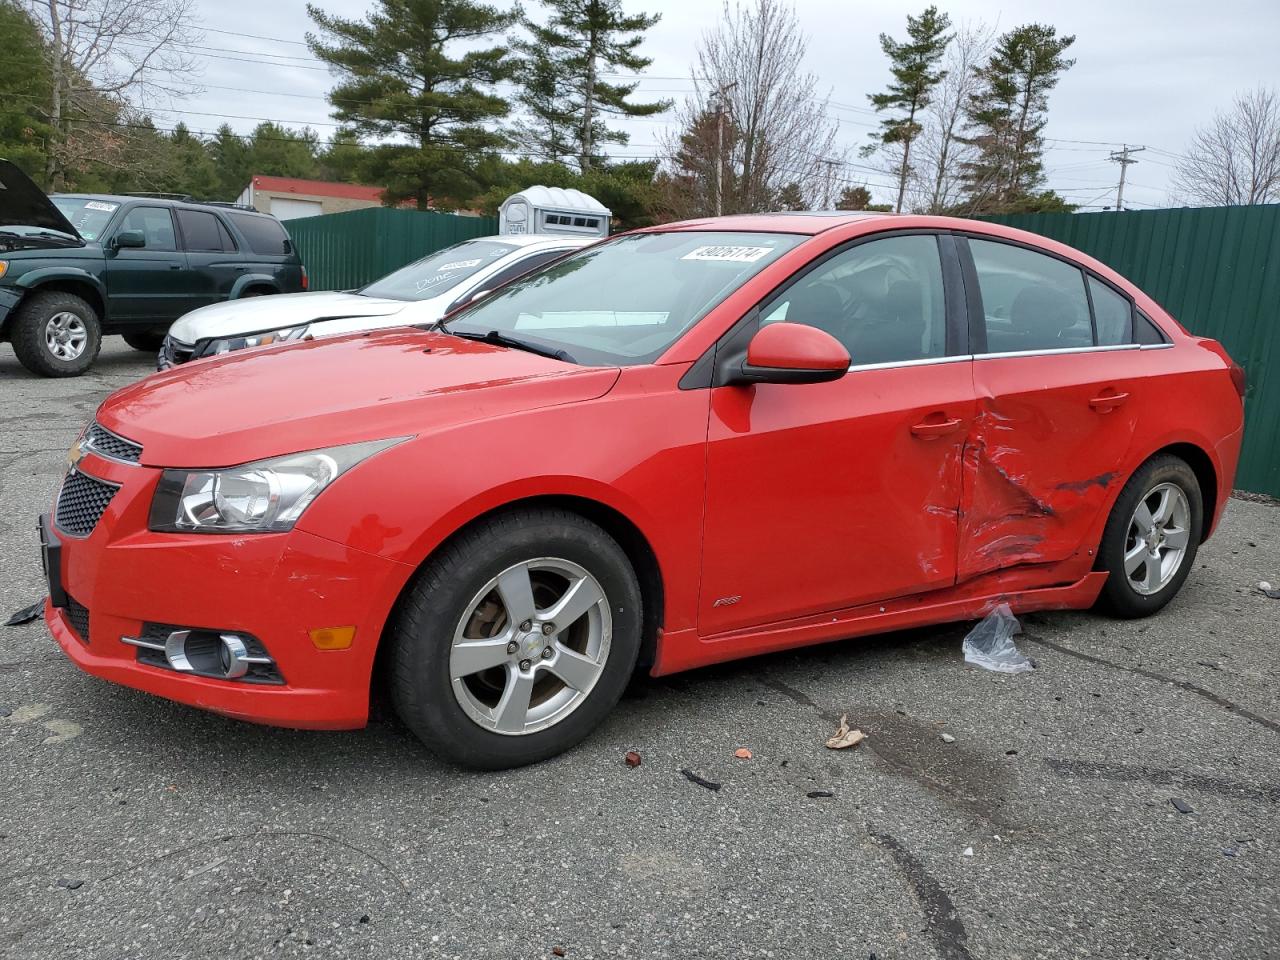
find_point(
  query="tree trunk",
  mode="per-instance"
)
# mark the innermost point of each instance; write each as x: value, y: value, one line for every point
x: 52, y: 169
x: 906, y: 157
x: 588, y: 102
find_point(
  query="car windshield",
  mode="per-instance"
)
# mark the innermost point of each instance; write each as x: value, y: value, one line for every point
x: 626, y: 301
x: 435, y: 274
x: 89, y: 217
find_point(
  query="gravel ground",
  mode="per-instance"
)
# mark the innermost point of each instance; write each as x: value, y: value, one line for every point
x: 132, y: 827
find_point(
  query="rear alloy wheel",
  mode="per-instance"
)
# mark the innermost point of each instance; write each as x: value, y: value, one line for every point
x: 516, y: 640
x: 56, y: 334
x: 1151, y: 538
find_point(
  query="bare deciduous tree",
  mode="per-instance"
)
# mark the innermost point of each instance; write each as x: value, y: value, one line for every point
x: 1235, y: 160
x: 782, y: 133
x: 936, y: 184
x: 125, y: 52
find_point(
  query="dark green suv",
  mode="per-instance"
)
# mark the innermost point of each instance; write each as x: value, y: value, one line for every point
x: 75, y: 267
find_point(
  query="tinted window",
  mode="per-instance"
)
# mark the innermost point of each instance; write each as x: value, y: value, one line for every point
x: 883, y: 300
x: 228, y: 242
x: 1031, y: 301
x: 199, y: 230
x: 443, y: 270
x: 1112, y: 315
x: 265, y: 235
x: 627, y: 300
x: 156, y: 226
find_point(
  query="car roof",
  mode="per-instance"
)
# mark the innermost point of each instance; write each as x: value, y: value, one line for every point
x: 123, y: 198
x: 808, y: 222
x: 533, y: 239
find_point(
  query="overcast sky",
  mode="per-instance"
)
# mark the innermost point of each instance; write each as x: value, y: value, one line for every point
x: 1147, y: 72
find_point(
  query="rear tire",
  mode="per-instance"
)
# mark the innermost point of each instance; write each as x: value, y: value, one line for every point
x: 56, y: 334
x: 460, y: 600
x: 1149, y: 545
x: 147, y: 341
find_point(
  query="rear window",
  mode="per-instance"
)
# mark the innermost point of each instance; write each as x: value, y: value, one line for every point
x: 203, y: 232
x: 265, y: 235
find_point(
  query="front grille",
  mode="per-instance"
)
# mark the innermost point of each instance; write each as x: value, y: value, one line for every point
x: 78, y: 616
x: 81, y: 502
x: 172, y: 353
x: 112, y: 446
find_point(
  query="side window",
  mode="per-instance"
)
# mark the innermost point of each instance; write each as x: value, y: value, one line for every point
x: 1031, y: 301
x: 1112, y: 314
x: 199, y: 231
x: 156, y: 225
x: 228, y: 244
x: 265, y: 235
x: 882, y: 299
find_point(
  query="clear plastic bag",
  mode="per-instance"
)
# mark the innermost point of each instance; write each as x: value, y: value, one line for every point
x: 990, y: 644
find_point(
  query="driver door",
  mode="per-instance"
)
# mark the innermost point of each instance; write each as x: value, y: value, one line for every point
x: 149, y: 284
x: 827, y: 496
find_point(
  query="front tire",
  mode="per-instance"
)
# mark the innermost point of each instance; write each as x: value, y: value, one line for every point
x: 56, y: 334
x: 1151, y: 538
x: 516, y: 639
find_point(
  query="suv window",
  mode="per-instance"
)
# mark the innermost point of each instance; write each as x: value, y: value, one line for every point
x: 156, y: 225
x: 882, y: 299
x: 203, y: 231
x: 1030, y: 301
x: 265, y: 235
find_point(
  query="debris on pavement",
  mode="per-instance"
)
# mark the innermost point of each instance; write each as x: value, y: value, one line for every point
x: 632, y: 759
x: 844, y: 737
x: 742, y: 753
x: 947, y: 738
x: 694, y: 778
x: 990, y: 644
x: 819, y: 794
x: 1181, y: 805
x: 557, y: 951
x: 1269, y: 590
x: 71, y: 884
x: 26, y: 614
x: 968, y: 852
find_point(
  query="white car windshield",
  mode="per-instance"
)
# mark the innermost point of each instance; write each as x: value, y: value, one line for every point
x: 431, y: 276
x: 626, y: 301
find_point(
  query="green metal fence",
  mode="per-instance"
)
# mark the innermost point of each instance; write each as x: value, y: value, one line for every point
x: 1217, y: 270
x: 345, y: 250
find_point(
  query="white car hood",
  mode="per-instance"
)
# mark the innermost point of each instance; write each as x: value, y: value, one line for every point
x: 275, y: 312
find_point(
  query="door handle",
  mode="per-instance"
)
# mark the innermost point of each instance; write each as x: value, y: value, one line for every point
x: 931, y: 430
x: 1108, y: 402
x: 175, y: 266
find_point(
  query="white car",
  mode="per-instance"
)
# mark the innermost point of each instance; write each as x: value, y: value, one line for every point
x: 421, y: 292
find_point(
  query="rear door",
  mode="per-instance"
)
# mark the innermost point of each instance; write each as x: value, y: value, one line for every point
x: 1060, y: 382
x: 827, y: 496
x: 212, y: 257
x: 147, y: 286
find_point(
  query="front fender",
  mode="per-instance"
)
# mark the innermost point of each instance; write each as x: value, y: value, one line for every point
x: 42, y: 275
x: 253, y: 280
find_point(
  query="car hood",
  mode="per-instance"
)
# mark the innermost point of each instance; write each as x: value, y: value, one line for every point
x: 23, y: 204
x: 255, y: 314
x: 253, y: 404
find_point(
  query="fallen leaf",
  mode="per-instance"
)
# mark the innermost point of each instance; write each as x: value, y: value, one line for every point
x: 742, y: 753
x: 557, y: 951
x: 632, y: 758
x: 844, y: 737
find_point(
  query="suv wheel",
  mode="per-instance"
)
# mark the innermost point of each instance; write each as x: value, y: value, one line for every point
x: 516, y: 639
x: 56, y: 334
x: 1149, y: 545
x: 148, y: 341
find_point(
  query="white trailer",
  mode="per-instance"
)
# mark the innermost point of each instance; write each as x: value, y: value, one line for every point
x: 554, y: 210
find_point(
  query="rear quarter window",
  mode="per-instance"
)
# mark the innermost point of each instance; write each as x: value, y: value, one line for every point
x: 264, y: 235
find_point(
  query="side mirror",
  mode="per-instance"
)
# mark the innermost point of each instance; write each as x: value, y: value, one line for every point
x: 129, y: 239
x: 792, y: 353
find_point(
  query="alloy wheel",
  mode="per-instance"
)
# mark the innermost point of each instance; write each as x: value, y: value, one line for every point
x: 530, y: 646
x: 1157, y: 540
x: 65, y: 335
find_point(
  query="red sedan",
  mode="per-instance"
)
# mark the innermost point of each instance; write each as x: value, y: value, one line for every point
x: 681, y: 446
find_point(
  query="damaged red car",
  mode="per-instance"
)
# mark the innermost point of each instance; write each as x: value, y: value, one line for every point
x: 680, y: 446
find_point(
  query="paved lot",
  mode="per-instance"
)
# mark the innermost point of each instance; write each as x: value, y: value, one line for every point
x: 131, y: 827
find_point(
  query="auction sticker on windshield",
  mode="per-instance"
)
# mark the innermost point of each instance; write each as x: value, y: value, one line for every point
x: 728, y: 254
x: 458, y: 265
x: 99, y: 205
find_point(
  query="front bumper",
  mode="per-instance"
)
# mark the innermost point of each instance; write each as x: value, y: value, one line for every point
x: 275, y: 587
x: 9, y: 298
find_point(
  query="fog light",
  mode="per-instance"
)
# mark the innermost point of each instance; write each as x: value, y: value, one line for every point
x: 333, y: 638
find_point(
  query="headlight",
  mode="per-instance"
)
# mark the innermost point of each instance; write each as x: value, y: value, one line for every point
x: 262, y: 497
x: 220, y: 345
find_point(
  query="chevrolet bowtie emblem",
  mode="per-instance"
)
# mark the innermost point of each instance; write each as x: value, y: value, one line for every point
x: 79, y: 450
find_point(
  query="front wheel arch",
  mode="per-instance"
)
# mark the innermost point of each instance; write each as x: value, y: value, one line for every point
x: 634, y: 544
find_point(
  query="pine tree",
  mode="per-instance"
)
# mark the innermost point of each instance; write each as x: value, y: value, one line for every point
x: 547, y: 126
x: 791, y: 197
x: 854, y: 198
x: 914, y: 66
x: 404, y: 76
x: 1007, y: 114
x: 565, y: 60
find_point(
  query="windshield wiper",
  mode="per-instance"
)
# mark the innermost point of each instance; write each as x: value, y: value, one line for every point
x: 500, y: 339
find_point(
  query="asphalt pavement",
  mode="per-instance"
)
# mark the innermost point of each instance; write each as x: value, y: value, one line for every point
x: 133, y: 827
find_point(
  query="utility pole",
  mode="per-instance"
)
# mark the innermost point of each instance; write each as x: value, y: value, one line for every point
x: 1122, y: 157
x: 720, y: 101
x: 826, y: 189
